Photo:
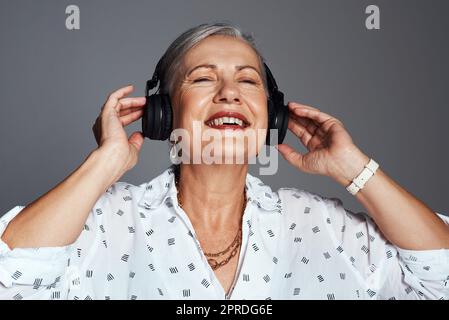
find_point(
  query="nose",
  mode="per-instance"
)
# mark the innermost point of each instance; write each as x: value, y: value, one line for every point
x: 228, y: 92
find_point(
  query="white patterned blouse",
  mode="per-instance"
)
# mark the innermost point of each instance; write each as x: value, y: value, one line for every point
x: 137, y: 243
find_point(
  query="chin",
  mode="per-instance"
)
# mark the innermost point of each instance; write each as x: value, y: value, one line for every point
x: 229, y: 155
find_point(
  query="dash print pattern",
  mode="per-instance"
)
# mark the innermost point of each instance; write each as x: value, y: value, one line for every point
x: 137, y: 243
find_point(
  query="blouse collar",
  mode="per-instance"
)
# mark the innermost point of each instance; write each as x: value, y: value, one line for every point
x: 162, y: 189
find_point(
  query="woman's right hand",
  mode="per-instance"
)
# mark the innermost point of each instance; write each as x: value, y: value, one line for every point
x: 117, y: 112
x: 58, y: 217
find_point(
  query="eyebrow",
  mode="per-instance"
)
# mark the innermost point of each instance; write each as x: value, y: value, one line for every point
x: 213, y: 66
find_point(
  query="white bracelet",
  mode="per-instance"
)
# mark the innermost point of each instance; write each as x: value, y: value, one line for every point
x: 359, y: 181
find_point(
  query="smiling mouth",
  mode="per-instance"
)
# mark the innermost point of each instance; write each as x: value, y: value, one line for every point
x: 227, y: 123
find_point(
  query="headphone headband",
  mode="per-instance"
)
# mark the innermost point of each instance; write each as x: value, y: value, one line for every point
x: 271, y: 83
x: 154, y: 79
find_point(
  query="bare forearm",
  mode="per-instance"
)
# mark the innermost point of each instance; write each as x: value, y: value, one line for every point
x: 57, y: 218
x: 403, y: 219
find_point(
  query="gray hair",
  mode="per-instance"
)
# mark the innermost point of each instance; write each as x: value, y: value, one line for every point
x: 172, y: 58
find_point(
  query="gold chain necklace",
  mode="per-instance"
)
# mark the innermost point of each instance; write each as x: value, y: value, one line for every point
x: 234, y: 245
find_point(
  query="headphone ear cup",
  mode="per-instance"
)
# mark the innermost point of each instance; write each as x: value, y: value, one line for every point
x: 271, y: 119
x: 283, y: 118
x: 145, y: 118
x: 152, y: 117
x: 167, y: 120
x: 277, y: 118
x: 157, y: 117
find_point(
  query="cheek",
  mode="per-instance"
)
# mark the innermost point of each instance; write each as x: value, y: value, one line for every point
x: 191, y: 105
x: 259, y: 110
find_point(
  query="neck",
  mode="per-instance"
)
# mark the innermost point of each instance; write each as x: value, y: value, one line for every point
x: 213, y: 195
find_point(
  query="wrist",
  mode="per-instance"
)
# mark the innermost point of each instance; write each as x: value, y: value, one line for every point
x: 349, y: 166
x: 106, y: 164
x: 113, y: 151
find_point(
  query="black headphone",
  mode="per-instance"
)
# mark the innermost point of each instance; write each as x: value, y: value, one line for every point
x: 157, y: 119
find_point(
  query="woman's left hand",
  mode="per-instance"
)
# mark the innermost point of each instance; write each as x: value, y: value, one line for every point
x: 331, y: 149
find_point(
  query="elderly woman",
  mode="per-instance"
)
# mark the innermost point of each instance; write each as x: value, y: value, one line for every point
x: 213, y: 231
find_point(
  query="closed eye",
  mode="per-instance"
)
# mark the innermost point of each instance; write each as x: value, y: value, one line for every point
x: 201, y: 79
x: 207, y: 79
x: 249, y: 81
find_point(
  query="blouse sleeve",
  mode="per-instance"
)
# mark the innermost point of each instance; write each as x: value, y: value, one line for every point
x: 50, y: 272
x: 31, y: 269
x: 387, y: 271
x: 55, y: 272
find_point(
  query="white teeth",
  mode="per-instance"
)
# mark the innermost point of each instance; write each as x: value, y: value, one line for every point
x: 220, y: 121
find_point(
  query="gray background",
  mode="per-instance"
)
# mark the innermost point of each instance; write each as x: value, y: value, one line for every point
x: 389, y: 87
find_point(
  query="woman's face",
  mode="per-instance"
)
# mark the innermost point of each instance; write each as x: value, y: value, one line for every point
x: 221, y: 73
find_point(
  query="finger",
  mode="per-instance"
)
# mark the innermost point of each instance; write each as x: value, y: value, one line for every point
x: 293, y: 105
x: 125, y: 104
x: 312, y: 128
x: 296, y: 108
x: 309, y: 124
x: 316, y: 115
x: 113, y: 98
x: 300, y: 131
x: 135, y: 142
x: 136, y: 139
x: 129, y: 118
x: 310, y: 141
x: 128, y: 111
x: 133, y: 102
x: 293, y: 157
